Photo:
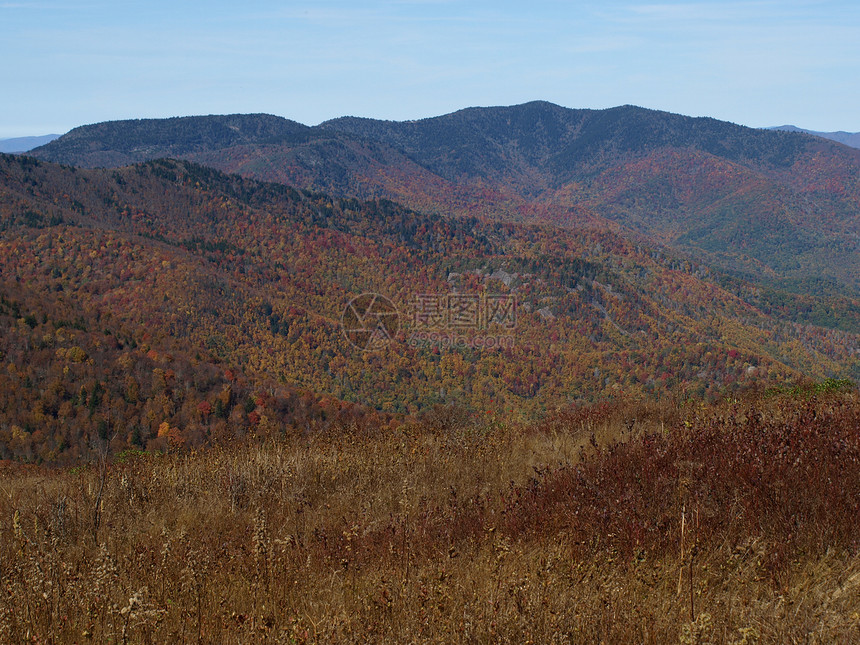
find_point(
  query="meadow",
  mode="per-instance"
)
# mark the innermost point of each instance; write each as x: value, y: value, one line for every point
x: 673, y: 522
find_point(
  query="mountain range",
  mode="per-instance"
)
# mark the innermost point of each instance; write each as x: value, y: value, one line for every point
x: 769, y: 205
x: 643, y: 254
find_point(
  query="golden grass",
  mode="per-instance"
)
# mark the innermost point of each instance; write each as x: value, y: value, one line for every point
x: 566, y: 532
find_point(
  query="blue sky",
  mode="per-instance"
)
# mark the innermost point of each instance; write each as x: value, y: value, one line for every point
x: 67, y: 63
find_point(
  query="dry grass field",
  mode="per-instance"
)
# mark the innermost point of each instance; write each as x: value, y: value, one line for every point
x: 730, y: 523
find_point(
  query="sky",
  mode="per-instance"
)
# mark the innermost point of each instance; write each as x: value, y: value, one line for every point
x: 69, y: 63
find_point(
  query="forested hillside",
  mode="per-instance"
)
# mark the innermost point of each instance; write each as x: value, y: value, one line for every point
x: 780, y: 208
x: 170, y: 302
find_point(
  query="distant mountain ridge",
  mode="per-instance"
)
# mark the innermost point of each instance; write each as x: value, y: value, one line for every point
x: 560, y: 141
x: 770, y: 205
x: 554, y: 140
x: 851, y: 139
x: 17, y: 145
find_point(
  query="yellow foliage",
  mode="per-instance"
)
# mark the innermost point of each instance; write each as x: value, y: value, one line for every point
x: 125, y: 361
x: 76, y: 354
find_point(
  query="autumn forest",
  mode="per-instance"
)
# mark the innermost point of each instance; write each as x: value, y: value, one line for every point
x: 487, y: 323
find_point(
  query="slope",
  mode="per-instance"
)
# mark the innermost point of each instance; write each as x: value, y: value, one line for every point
x: 206, y: 268
x: 851, y: 139
x: 778, y: 207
